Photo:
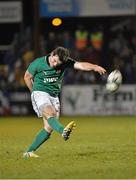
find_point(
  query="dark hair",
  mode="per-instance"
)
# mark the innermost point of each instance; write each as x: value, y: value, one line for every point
x: 62, y: 52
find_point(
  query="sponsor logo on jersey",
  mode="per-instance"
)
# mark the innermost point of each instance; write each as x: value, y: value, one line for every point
x: 48, y: 80
x: 45, y: 73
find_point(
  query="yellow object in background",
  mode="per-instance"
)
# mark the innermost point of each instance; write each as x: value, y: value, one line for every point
x: 56, y: 22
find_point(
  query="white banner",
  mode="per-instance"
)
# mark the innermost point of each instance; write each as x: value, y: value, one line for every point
x: 107, y: 7
x: 94, y: 100
x: 10, y: 12
x: 63, y: 8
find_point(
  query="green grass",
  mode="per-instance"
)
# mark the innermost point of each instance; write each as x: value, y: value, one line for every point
x: 99, y: 148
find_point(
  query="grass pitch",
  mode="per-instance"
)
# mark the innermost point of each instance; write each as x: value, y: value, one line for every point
x: 99, y: 148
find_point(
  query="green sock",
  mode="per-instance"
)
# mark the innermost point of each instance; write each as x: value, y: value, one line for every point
x: 41, y: 137
x: 55, y: 125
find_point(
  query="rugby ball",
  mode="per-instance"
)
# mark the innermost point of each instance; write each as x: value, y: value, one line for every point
x: 114, y: 81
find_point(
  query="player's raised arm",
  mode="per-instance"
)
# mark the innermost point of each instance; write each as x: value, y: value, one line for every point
x: 28, y: 78
x: 85, y: 66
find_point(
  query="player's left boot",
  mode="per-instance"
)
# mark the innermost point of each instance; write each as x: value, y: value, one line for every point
x: 68, y: 129
x: 30, y: 154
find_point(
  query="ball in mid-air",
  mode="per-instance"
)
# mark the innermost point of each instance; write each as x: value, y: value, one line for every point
x: 114, y: 81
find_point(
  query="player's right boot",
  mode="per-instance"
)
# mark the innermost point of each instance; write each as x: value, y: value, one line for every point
x: 68, y: 129
x: 30, y: 154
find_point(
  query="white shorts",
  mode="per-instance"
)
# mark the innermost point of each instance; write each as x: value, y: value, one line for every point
x: 41, y: 99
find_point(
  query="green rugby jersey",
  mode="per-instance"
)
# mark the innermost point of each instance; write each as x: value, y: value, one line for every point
x: 46, y: 78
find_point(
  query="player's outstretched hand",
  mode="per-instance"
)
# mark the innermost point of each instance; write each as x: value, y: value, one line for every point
x: 100, y: 70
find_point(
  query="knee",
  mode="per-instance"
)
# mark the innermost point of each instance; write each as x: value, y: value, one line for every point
x: 48, y: 113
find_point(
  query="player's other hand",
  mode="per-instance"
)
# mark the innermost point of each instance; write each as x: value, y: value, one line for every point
x: 100, y: 70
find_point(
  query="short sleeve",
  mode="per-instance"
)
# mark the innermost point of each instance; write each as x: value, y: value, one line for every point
x: 33, y: 67
x: 70, y: 63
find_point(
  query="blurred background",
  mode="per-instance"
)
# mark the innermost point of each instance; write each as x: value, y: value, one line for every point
x: 97, y: 31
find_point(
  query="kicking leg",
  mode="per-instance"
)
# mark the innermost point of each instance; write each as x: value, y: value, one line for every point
x: 50, y: 114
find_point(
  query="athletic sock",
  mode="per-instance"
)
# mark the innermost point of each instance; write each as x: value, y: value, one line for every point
x: 55, y: 125
x: 41, y: 137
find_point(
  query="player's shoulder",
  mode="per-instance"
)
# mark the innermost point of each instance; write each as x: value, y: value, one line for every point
x: 39, y: 60
x: 42, y: 58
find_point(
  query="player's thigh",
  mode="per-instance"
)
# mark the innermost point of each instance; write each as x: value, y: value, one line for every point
x: 42, y: 104
x: 56, y: 104
x: 48, y: 111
